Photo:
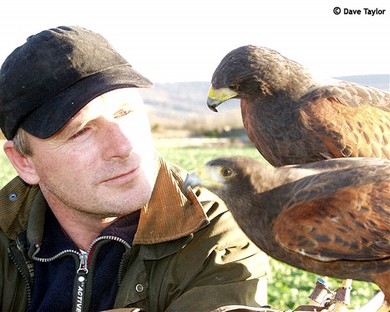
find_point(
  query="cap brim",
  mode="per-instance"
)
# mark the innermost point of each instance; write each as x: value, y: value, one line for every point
x: 52, y: 116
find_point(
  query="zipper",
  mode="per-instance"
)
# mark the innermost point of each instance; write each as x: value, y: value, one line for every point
x: 80, y: 281
x: 108, y: 237
x: 79, y: 254
x: 16, y: 260
x: 59, y: 255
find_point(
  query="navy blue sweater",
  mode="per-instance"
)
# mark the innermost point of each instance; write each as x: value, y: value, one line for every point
x: 56, y: 280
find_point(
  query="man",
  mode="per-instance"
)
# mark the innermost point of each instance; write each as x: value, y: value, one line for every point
x: 95, y: 219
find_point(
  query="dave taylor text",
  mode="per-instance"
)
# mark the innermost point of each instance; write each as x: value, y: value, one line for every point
x: 365, y: 11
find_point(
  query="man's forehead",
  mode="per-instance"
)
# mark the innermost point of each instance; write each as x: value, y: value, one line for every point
x: 128, y: 94
x: 118, y: 97
x: 112, y: 101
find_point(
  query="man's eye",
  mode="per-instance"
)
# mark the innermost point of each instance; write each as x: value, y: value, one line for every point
x: 122, y: 112
x: 79, y: 133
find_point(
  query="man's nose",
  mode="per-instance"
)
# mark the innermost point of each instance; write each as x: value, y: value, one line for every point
x: 116, y: 143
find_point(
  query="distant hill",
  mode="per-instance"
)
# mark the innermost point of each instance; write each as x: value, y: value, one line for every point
x: 180, y: 97
x: 184, y: 103
x: 377, y: 81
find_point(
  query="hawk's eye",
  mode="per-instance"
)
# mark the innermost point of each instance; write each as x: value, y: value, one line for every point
x: 234, y: 88
x: 227, y: 172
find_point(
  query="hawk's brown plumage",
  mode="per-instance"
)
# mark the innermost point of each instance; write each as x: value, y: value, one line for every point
x: 329, y: 217
x: 292, y: 118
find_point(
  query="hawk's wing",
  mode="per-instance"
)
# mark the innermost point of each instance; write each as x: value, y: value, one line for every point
x: 338, y: 215
x: 351, y: 120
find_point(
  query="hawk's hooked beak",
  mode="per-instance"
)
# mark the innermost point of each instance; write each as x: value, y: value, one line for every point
x: 208, y: 177
x: 192, y: 180
x: 218, y: 96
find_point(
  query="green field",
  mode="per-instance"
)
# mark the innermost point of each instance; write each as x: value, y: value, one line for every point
x: 288, y: 287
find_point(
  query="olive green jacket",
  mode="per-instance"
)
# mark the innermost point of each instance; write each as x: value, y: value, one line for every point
x: 188, y: 253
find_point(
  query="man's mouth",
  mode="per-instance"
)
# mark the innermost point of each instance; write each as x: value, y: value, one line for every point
x: 123, y: 177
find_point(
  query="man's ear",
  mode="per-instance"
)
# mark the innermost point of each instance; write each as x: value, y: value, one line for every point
x: 22, y: 164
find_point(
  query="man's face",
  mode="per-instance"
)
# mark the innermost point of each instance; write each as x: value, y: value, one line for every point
x: 102, y: 162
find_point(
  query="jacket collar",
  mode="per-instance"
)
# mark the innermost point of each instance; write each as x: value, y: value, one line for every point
x: 170, y: 214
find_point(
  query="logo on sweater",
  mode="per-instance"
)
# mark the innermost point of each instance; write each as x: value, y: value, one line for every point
x: 80, y: 294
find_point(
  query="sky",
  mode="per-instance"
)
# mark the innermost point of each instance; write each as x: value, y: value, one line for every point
x: 184, y: 40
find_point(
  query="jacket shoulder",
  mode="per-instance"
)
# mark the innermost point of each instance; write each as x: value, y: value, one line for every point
x: 15, y: 202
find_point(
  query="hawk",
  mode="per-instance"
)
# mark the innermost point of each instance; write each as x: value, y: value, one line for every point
x: 292, y: 118
x: 329, y: 217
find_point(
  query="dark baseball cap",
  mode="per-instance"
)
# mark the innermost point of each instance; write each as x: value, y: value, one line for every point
x: 54, y: 74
